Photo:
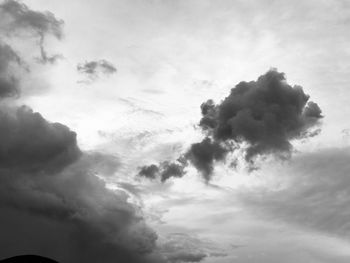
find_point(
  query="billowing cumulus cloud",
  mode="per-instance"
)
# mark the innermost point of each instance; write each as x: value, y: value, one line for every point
x: 267, y: 114
x: 94, y: 69
x: 30, y: 143
x: 17, y: 18
x: 53, y: 204
x: 50, y: 195
x: 71, y: 217
x: 258, y: 117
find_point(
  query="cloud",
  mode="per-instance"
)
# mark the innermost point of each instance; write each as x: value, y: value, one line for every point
x: 49, y: 186
x: 30, y: 143
x: 171, y: 169
x: 267, y: 114
x: 164, y: 171
x: 52, y: 201
x: 71, y: 217
x: 93, y: 69
x: 44, y: 57
x: 183, y: 248
x: 8, y: 82
x: 313, y: 193
x: 107, y: 164
x: 17, y: 18
x: 258, y: 118
x: 203, y: 154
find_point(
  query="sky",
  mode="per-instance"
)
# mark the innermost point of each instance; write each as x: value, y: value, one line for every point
x: 165, y: 131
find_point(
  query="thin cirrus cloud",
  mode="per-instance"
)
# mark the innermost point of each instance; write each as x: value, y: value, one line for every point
x: 266, y: 115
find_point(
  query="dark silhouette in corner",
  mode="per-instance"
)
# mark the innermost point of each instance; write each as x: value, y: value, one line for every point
x: 28, y: 259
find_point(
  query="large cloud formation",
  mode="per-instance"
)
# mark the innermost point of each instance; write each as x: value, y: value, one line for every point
x: 69, y: 215
x: 183, y: 248
x: 267, y: 114
x: 51, y: 201
x: 29, y: 143
x: 260, y: 117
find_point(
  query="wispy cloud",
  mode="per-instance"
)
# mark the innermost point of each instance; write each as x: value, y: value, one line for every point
x: 94, y: 69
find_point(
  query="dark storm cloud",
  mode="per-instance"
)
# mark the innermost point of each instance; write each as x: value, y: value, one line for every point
x: 30, y: 143
x: 259, y: 117
x: 53, y: 204
x: 8, y: 87
x: 8, y: 82
x: 52, y: 201
x: 149, y: 171
x: 93, y: 69
x: 267, y: 114
x: 49, y: 193
x: 17, y: 18
x: 7, y: 56
x: 203, y: 155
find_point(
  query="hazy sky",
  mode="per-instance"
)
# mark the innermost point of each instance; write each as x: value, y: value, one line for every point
x: 129, y: 78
